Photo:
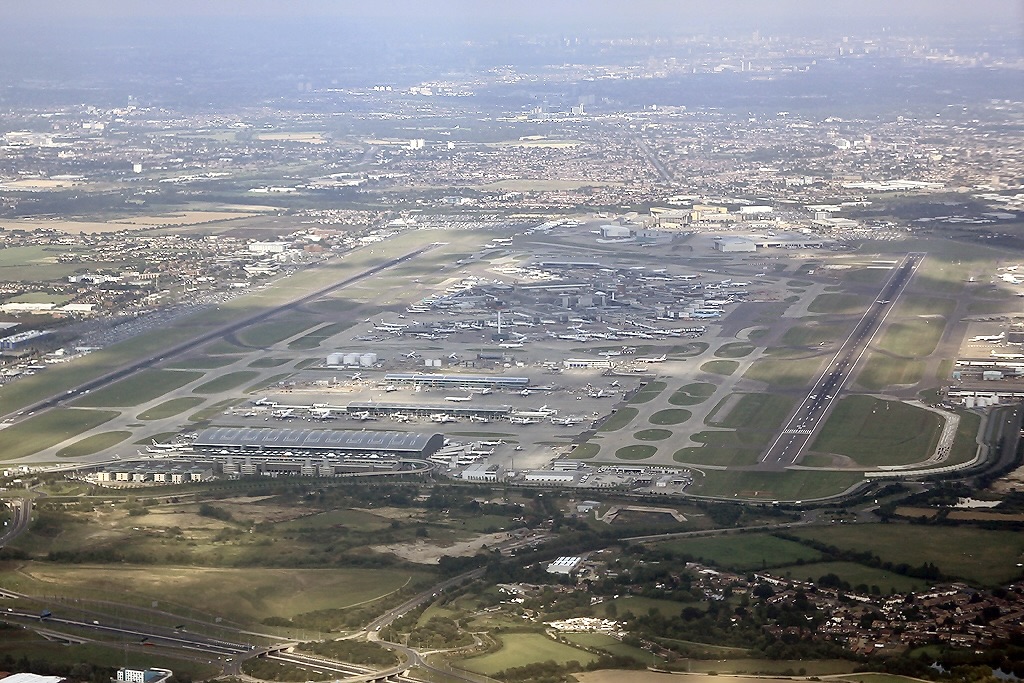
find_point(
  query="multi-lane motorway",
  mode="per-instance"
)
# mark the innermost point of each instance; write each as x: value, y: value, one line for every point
x: 814, y: 409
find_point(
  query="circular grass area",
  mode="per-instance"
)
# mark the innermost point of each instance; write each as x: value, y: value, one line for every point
x: 636, y: 452
x: 93, y: 444
x: 671, y: 416
x: 720, y: 367
x: 734, y: 350
x: 652, y: 434
x: 170, y: 408
x: 692, y: 394
x: 585, y: 451
x: 691, y: 349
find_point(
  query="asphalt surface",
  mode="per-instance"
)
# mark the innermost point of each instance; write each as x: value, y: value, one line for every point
x: 811, y: 413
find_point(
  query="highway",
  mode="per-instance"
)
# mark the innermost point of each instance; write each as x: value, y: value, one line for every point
x: 814, y: 409
x: 22, y: 509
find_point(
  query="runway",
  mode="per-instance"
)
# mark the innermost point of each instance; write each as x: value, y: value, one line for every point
x: 789, y: 446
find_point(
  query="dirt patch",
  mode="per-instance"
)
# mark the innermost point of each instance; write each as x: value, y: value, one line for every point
x: 427, y: 553
x: 393, y: 513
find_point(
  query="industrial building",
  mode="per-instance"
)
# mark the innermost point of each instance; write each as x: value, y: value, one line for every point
x: 156, y: 472
x: 565, y: 565
x: 316, y: 442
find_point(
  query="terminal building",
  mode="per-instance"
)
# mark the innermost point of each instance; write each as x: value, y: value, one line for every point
x: 314, y: 442
x: 458, y: 381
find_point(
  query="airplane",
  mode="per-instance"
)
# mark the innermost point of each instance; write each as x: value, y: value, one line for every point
x: 485, y: 391
x: 656, y: 359
x: 522, y: 420
x: 524, y: 392
x: 459, y: 399
x: 511, y: 345
x: 477, y: 418
x: 356, y: 376
x: 363, y: 416
x: 411, y: 354
x: 285, y: 414
x: 322, y: 414
x: 565, y: 421
x: 453, y: 356
x: 389, y: 388
x: 989, y: 338
x: 442, y: 418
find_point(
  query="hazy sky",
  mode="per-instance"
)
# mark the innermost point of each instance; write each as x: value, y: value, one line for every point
x: 556, y: 15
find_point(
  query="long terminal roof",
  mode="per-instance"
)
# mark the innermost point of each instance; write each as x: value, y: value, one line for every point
x: 320, y: 439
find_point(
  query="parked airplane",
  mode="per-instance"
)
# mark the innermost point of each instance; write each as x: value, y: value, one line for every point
x: 459, y: 399
x: 989, y: 338
x: 656, y: 359
x: 511, y: 345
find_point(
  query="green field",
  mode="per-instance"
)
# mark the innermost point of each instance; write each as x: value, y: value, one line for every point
x: 720, y: 367
x: 243, y: 595
x: 743, y: 552
x: 670, y: 416
x: 585, y: 451
x: 109, y: 655
x: 843, y: 304
x: 816, y: 333
x: 93, y: 444
x: 724, y: 448
x: 636, y: 452
x: 916, y: 326
x: 170, y: 408
x: 734, y: 350
x: 758, y: 412
x: 856, y: 575
x: 648, y: 392
x: 267, y: 334
x: 652, y: 435
x: 875, y: 432
x: 213, y: 410
x: 787, y: 486
x: 613, y: 646
x: 202, y: 363
x: 882, y: 371
x: 226, y: 382
x: 692, y: 394
x: 619, y: 419
x: 49, y: 429
x: 784, y: 372
x: 320, y: 335
x: 137, y: 389
x: 520, y: 649
x: 982, y: 556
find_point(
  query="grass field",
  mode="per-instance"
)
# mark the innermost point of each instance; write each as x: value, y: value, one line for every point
x: 271, y: 333
x: 585, y: 451
x: 787, y: 486
x: 815, y: 333
x: 636, y: 452
x: 268, y: 362
x: 784, y: 372
x: 239, y: 595
x: 882, y: 371
x: 875, y: 432
x: 692, y: 394
x: 110, y: 655
x: 734, y: 350
x: 619, y: 419
x: 652, y: 435
x: 723, y: 448
x: 670, y: 416
x: 855, y: 575
x: 201, y: 363
x: 226, y: 382
x: 648, y: 392
x: 320, y: 335
x: 520, y: 649
x: 982, y: 556
x: 49, y: 429
x: 170, y: 408
x: 720, y: 367
x: 758, y: 412
x: 605, y: 643
x: 267, y: 382
x: 93, y: 444
x: 843, y: 304
x: 137, y: 389
x: 213, y: 410
x: 743, y: 552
